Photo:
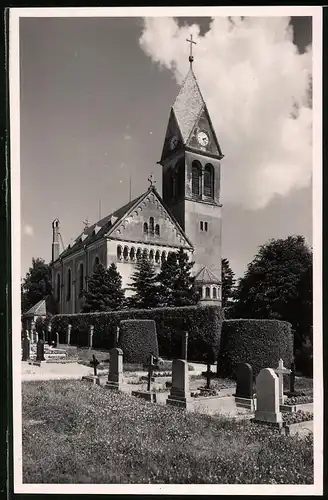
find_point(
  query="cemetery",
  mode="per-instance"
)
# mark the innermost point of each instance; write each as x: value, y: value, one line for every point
x: 265, y: 412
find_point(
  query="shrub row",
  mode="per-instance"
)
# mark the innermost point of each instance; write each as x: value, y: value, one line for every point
x: 202, y: 322
x: 259, y: 342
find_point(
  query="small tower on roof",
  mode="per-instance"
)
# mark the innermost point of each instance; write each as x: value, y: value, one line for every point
x: 191, y: 163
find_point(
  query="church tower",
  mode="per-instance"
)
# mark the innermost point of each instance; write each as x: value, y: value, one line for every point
x: 191, y: 173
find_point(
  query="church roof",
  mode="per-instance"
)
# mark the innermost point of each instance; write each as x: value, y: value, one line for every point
x: 207, y: 277
x: 188, y: 105
x: 39, y: 309
x: 107, y: 225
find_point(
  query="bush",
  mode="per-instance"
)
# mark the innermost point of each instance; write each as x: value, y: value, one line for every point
x: 259, y: 342
x: 138, y: 339
x: 202, y: 322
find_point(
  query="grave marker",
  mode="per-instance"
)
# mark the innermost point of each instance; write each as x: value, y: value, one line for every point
x: 93, y: 378
x: 267, y: 393
x: 281, y: 371
x: 90, y: 339
x: 115, y: 375
x: 244, y: 397
x: 40, y: 351
x: 68, y: 334
x: 185, y: 336
x: 180, y: 394
x: 26, y: 348
x: 292, y: 378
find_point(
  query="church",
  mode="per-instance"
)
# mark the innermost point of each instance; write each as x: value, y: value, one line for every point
x: 187, y: 215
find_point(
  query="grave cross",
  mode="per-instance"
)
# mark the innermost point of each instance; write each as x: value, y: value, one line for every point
x: 94, y: 362
x: 151, y: 366
x: 281, y: 371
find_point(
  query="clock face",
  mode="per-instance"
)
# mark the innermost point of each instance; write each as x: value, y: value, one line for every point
x: 202, y: 138
x: 173, y: 142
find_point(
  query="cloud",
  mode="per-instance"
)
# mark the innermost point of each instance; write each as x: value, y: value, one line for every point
x: 127, y: 137
x: 28, y: 230
x: 255, y: 84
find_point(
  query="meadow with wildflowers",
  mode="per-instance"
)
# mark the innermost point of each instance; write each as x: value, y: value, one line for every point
x: 75, y: 432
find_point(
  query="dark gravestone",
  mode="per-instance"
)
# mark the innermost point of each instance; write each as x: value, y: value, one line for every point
x: 151, y: 367
x: 244, y: 381
x: 40, y: 351
x: 26, y: 348
x: 292, y: 378
x: 208, y: 376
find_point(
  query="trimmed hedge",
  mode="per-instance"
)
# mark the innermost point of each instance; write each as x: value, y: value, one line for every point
x: 259, y: 342
x: 202, y: 322
x: 138, y: 339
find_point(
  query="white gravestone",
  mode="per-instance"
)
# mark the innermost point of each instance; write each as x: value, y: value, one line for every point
x: 267, y: 393
x: 281, y: 371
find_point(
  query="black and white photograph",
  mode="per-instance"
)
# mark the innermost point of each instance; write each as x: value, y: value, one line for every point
x: 166, y: 199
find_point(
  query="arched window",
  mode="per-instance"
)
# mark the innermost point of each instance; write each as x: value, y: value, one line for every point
x: 58, y: 288
x: 196, y: 178
x: 214, y: 293
x: 69, y: 285
x: 126, y: 253
x: 96, y: 263
x: 151, y: 255
x: 132, y: 254
x: 208, y: 292
x: 151, y: 225
x: 145, y: 253
x: 209, y: 180
x: 139, y: 254
x: 119, y: 252
x: 157, y: 229
x: 81, y: 278
x: 145, y: 228
x: 157, y: 257
x: 163, y: 256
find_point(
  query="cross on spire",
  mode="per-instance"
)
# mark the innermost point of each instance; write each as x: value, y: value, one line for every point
x: 151, y: 180
x: 191, y: 57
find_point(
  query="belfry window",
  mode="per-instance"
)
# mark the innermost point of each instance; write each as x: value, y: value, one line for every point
x: 196, y: 178
x: 207, y: 292
x: 157, y: 257
x: 209, y: 180
x: 214, y: 293
x: 126, y: 253
x: 139, y: 254
x: 119, y: 252
x: 157, y: 229
x: 132, y: 254
x: 145, y: 228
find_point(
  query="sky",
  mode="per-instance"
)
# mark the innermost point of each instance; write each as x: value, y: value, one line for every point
x: 95, y: 100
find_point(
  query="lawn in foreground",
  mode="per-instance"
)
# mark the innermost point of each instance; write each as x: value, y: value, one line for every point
x: 75, y: 432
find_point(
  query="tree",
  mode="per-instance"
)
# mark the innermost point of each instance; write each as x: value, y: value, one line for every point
x: 278, y: 285
x: 176, y: 282
x: 104, y: 290
x: 228, y: 282
x: 144, y: 285
x: 36, y: 285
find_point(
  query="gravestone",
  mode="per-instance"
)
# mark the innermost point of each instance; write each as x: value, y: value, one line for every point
x: 49, y: 334
x: 57, y: 339
x: 68, y: 334
x: 281, y: 371
x: 93, y: 378
x: 180, y: 394
x: 40, y: 351
x: 26, y: 348
x: 267, y: 393
x: 115, y: 375
x: 147, y: 395
x: 244, y: 397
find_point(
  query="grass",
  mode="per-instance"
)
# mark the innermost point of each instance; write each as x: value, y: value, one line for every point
x: 75, y: 432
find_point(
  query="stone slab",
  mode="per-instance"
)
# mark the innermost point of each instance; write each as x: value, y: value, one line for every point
x: 148, y: 396
x: 247, y: 403
x: 299, y: 428
x: 92, y: 378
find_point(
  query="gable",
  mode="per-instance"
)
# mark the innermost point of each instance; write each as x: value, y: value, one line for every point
x: 203, y: 124
x: 131, y: 227
x: 172, y: 131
